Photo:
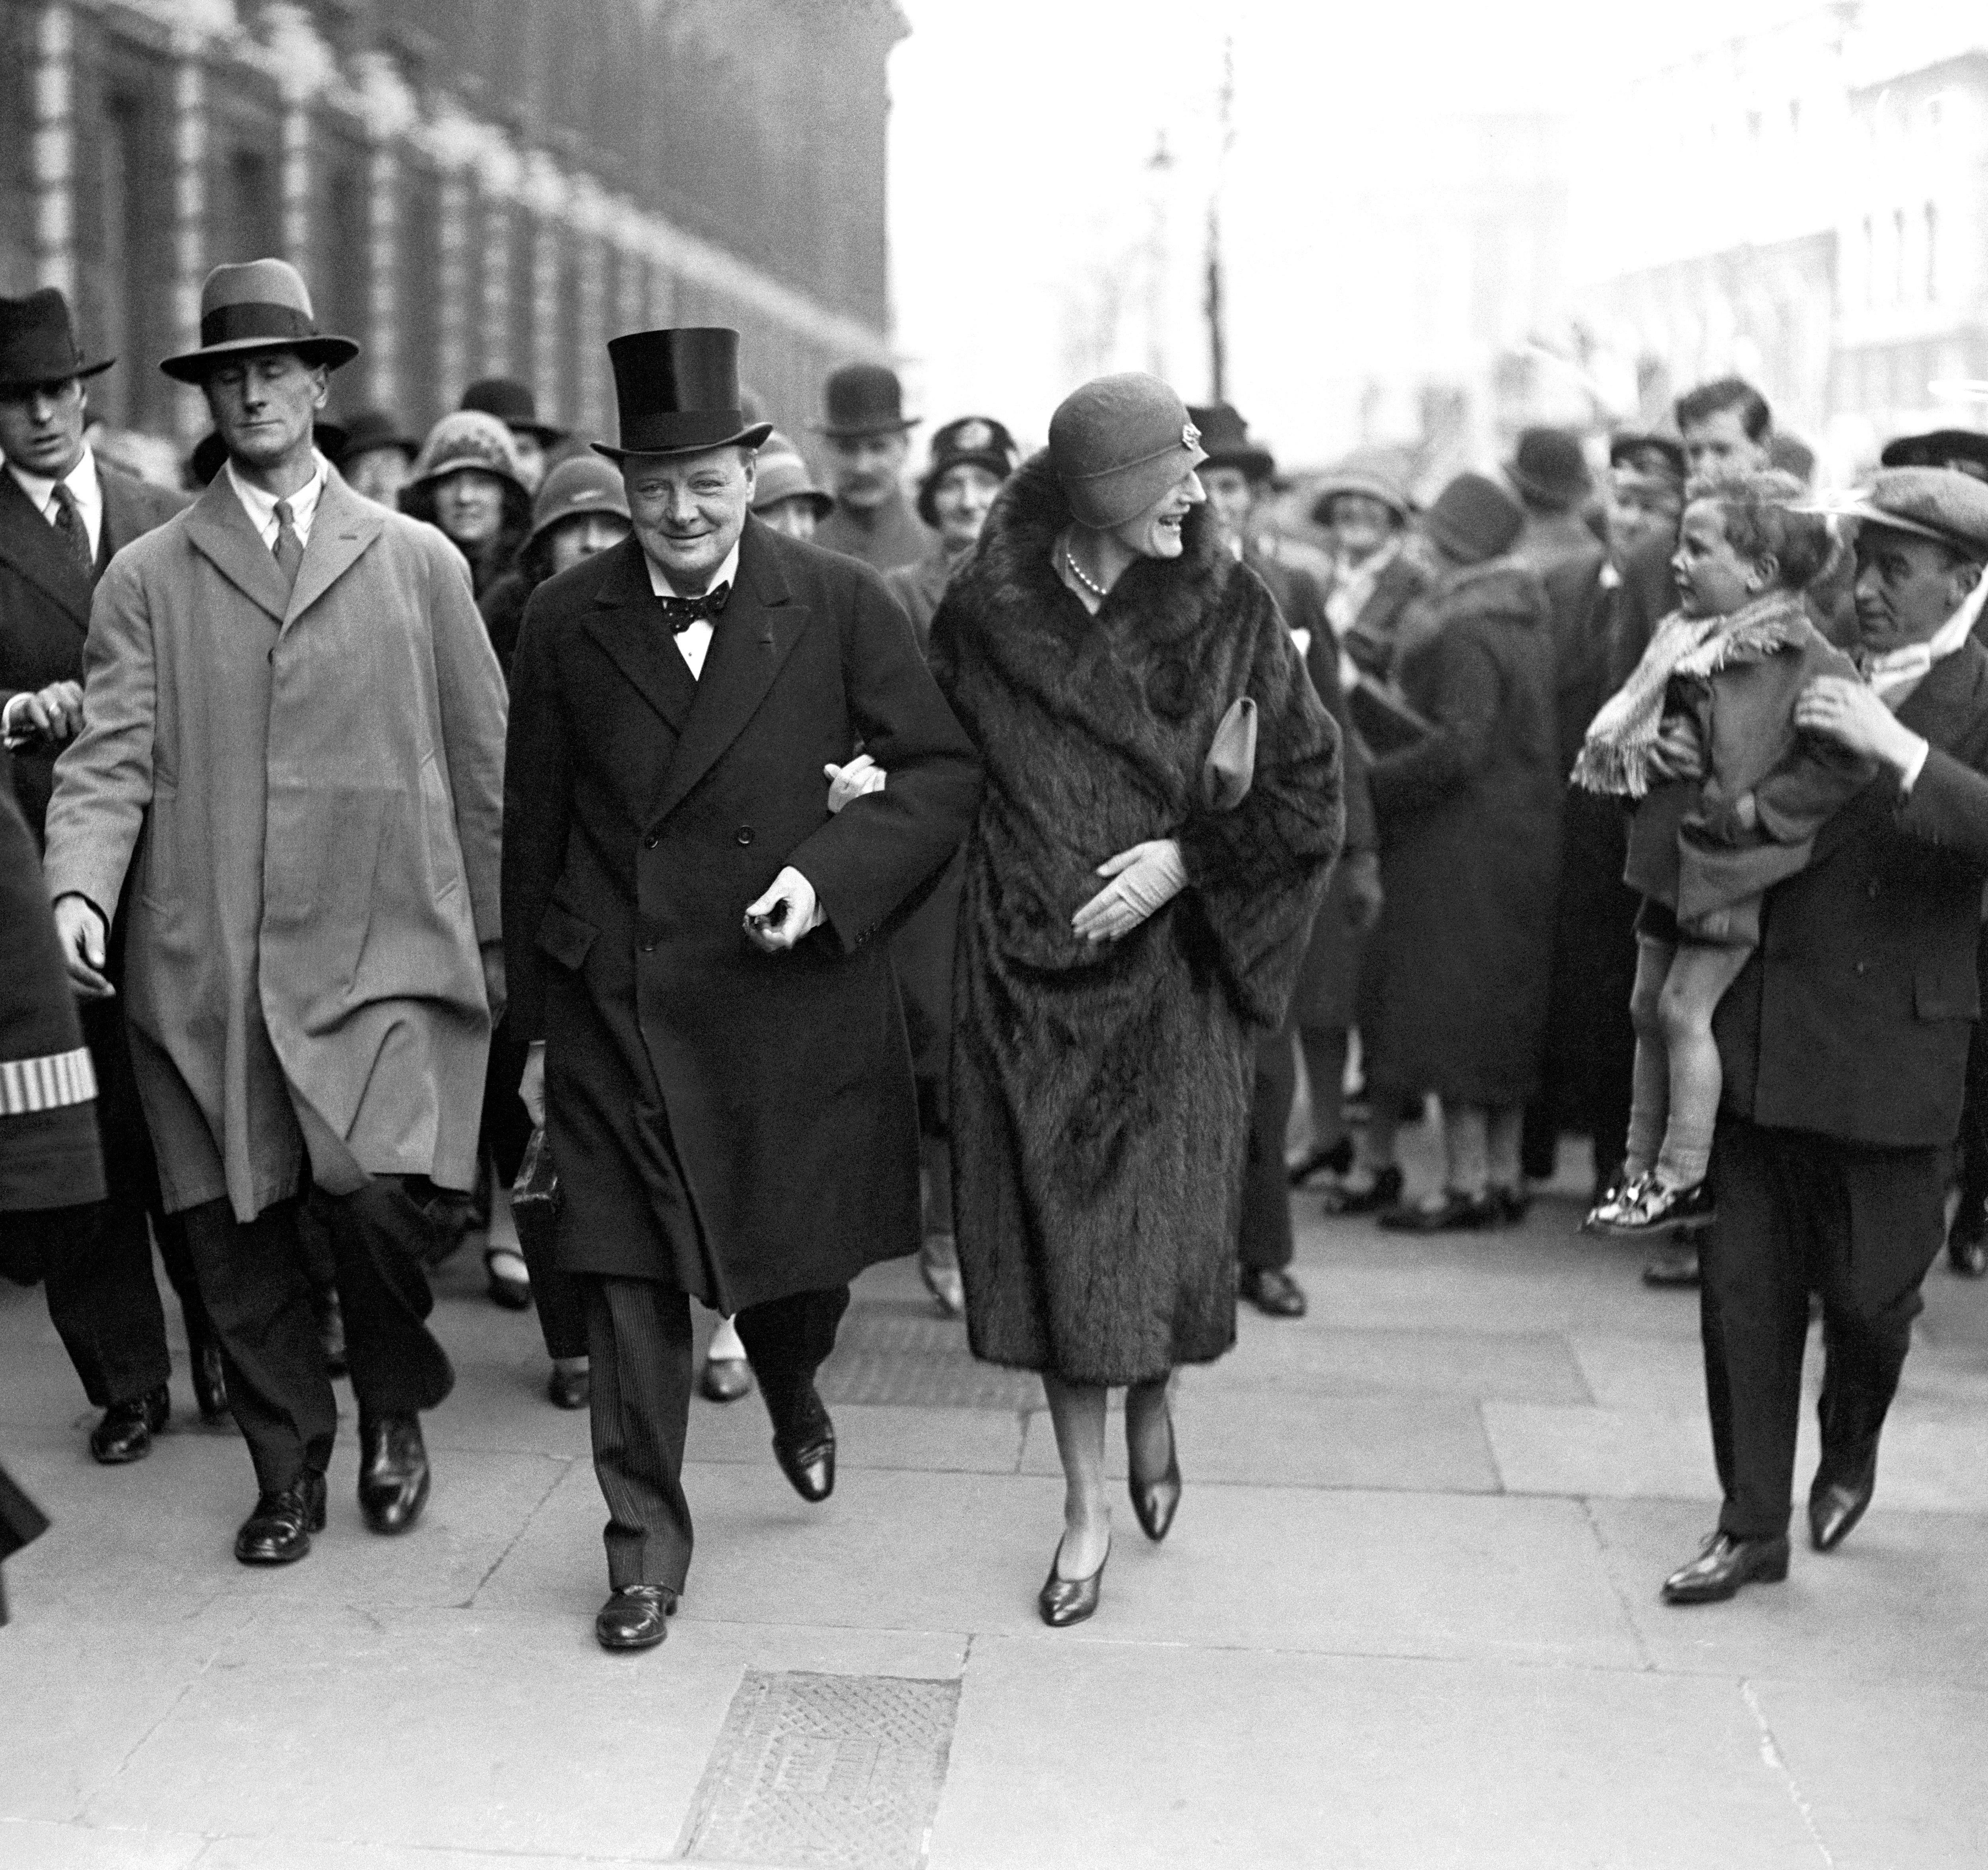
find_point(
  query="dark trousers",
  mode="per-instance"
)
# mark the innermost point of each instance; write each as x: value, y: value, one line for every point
x: 1800, y: 1212
x: 506, y: 1133
x: 1974, y: 1114
x: 95, y: 1262
x: 256, y: 1279
x: 639, y: 1341
x: 1265, y: 1242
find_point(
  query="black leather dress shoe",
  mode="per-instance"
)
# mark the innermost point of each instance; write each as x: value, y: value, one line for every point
x: 1154, y: 1503
x: 1336, y: 1160
x: 635, y: 1617
x: 393, y: 1472
x: 804, y: 1443
x: 1724, y: 1565
x: 1273, y: 1292
x: 125, y: 1431
x: 210, y: 1375
x: 1834, y: 1506
x: 277, y: 1532
x: 1065, y: 1600
x: 1457, y: 1212
x: 570, y: 1389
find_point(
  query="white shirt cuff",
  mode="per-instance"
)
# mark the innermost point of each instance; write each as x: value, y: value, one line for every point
x: 1914, y: 767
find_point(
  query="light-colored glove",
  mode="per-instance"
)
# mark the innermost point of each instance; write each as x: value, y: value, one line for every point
x: 532, y: 1086
x: 788, y: 911
x: 80, y: 929
x: 862, y: 775
x: 1147, y: 877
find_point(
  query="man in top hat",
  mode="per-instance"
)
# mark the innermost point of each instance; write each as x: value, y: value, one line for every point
x: 1844, y: 1045
x: 869, y: 436
x: 514, y: 405
x: 294, y: 749
x: 63, y: 514
x: 698, y: 940
x: 1238, y: 475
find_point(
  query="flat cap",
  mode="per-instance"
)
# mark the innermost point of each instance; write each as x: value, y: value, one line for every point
x: 1929, y: 502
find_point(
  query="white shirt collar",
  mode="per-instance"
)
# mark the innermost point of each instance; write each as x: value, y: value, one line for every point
x: 726, y: 573
x: 261, y: 507
x: 83, y: 485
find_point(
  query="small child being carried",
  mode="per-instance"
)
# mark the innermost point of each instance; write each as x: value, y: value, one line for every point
x: 1729, y: 797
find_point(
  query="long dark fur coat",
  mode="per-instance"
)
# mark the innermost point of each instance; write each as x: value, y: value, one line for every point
x: 1101, y: 1095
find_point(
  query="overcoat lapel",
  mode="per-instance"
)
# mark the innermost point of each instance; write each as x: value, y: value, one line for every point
x: 340, y: 532
x: 752, y: 640
x: 626, y: 625
x: 221, y: 531
x: 28, y: 543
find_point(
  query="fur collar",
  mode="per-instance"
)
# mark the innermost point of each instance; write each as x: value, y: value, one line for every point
x: 1012, y: 566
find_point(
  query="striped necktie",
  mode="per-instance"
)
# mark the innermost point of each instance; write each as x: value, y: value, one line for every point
x: 289, y: 549
x: 70, y: 526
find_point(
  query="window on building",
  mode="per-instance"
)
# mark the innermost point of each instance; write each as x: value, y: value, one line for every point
x: 1898, y: 256
x: 1932, y: 252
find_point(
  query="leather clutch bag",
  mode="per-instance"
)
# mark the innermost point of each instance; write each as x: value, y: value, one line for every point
x: 1229, y: 768
x: 535, y: 1196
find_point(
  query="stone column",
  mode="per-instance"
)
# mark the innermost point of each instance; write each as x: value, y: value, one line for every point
x: 53, y: 150
x: 189, y: 214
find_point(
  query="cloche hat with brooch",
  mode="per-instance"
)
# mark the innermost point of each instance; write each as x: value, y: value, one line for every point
x: 1118, y: 443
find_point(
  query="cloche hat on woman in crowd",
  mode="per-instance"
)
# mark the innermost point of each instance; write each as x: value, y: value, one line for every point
x: 581, y: 484
x: 677, y: 392
x: 1473, y: 518
x: 466, y: 438
x: 1225, y: 437
x: 972, y: 441
x: 1118, y: 443
x: 38, y: 342
x: 863, y: 399
x: 259, y: 306
x: 1368, y: 480
x: 1548, y: 468
x: 783, y: 475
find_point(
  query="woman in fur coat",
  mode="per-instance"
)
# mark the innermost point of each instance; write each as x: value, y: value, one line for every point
x: 1139, y: 883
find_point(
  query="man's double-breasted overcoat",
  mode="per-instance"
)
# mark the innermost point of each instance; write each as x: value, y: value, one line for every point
x: 309, y: 782
x: 739, y: 1124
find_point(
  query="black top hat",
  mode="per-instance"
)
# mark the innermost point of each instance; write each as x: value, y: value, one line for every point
x: 513, y: 404
x: 1225, y: 436
x: 258, y: 305
x: 38, y: 342
x: 972, y: 442
x: 863, y: 399
x: 1963, y: 450
x: 1548, y: 468
x: 676, y: 393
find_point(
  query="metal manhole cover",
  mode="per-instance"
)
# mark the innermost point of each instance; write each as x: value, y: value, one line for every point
x: 818, y: 1769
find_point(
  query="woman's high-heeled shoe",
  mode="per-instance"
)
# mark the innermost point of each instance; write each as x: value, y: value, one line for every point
x: 1065, y: 1600
x: 1155, y: 1502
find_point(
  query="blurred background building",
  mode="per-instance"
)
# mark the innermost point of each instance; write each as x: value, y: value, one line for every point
x: 472, y: 187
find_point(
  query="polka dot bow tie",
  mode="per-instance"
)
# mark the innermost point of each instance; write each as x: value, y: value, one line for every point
x: 682, y: 612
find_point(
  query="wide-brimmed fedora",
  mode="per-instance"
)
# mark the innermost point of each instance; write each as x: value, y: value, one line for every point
x: 38, y: 342
x: 259, y: 306
x: 863, y: 399
x: 676, y: 392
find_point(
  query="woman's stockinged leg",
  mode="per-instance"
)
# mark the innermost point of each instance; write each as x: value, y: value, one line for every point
x: 1149, y: 1434
x: 1077, y: 1411
x: 1649, y: 1098
x: 1465, y: 1147
x: 1698, y: 978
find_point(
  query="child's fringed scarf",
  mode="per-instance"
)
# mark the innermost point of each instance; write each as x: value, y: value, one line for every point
x: 1614, y: 756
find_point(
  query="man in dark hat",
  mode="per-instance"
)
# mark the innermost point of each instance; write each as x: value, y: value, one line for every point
x: 1963, y: 451
x: 1844, y: 1045
x: 377, y: 456
x: 63, y: 514
x: 294, y: 748
x: 1237, y: 475
x: 716, y: 1046
x: 869, y: 436
x: 514, y: 405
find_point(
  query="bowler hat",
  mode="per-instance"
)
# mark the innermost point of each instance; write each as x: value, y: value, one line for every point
x: 38, y: 342
x: 1473, y: 518
x: 1549, y: 469
x: 972, y: 442
x: 1117, y: 443
x: 1963, y: 450
x: 513, y: 404
x: 676, y: 393
x: 783, y: 475
x: 259, y: 305
x: 1938, y: 503
x: 863, y: 399
x: 581, y: 484
x: 1225, y: 436
x: 368, y: 432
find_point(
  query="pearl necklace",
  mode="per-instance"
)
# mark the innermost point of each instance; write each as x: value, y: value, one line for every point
x: 1100, y: 591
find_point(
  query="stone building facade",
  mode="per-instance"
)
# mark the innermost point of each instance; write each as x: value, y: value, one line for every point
x: 472, y: 187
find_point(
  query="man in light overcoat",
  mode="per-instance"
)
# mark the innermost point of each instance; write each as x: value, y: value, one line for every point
x: 698, y: 943
x: 293, y: 742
